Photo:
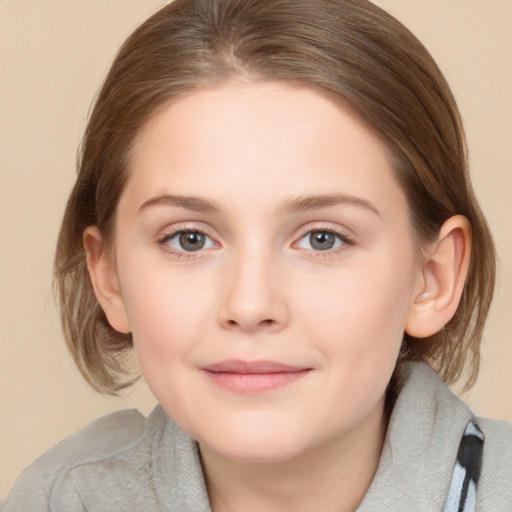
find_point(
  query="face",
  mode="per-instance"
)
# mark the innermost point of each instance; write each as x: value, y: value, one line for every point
x: 265, y: 262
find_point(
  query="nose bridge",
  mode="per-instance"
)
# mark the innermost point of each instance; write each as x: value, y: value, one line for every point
x: 253, y: 297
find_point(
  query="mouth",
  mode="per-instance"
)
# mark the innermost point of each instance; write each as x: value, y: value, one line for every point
x: 253, y: 377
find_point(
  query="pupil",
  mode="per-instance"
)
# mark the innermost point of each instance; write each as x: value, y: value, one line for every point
x: 322, y: 240
x: 192, y: 241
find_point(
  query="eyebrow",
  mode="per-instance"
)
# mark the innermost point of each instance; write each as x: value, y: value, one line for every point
x: 197, y: 204
x: 316, y: 202
x: 292, y: 205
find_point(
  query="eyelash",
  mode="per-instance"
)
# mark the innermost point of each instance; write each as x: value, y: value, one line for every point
x: 186, y: 255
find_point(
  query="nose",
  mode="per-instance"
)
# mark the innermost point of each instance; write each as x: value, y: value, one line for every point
x: 253, y: 295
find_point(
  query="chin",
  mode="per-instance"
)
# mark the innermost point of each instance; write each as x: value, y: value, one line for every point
x: 256, y: 445
x: 251, y: 453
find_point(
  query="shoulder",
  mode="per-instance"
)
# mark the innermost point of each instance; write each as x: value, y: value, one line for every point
x: 498, y: 437
x: 450, y: 413
x: 106, y: 436
x: 495, y: 487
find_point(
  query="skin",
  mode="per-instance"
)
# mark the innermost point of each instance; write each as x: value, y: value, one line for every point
x: 259, y: 289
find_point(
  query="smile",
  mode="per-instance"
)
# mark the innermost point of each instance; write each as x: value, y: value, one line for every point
x: 253, y: 377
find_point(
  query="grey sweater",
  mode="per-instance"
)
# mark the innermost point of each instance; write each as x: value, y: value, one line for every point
x: 125, y: 462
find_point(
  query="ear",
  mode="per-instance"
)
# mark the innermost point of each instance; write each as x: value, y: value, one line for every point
x: 442, y: 280
x: 104, y: 280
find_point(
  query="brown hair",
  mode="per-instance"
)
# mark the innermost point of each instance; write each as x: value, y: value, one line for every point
x: 352, y: 51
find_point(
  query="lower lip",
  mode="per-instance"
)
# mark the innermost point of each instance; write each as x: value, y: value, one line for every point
x: 254, y: 383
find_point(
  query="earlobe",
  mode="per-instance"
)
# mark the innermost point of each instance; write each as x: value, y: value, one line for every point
x: 104, y: 280
x: 443, y: 277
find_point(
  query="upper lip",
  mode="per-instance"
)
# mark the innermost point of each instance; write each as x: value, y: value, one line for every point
x: 252, y: 367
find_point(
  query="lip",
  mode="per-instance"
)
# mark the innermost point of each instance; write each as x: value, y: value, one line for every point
x: 253, y: 377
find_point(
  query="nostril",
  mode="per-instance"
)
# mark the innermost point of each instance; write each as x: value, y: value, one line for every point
x: 268, y: 322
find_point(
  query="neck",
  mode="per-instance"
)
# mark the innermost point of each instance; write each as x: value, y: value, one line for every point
x: 333, y: 477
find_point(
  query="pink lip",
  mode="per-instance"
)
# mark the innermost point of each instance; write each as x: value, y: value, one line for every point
x: 253, y: 377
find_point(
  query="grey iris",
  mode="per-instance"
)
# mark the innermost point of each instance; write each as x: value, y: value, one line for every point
x: 322, y: 240
x: 192, y: 240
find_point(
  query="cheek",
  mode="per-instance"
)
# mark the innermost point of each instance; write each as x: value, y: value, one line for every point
x: 166, y: 331
x: 361, y: 310
x: 165, y: 311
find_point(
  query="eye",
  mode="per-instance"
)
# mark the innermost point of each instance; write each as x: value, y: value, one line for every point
x: 187, y: 241
x: 321, y: 240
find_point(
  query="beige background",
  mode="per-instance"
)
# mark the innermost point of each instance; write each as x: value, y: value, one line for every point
x: 53, y: 55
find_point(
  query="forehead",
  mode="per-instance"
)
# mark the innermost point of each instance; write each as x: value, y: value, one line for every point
x: 241, y: 141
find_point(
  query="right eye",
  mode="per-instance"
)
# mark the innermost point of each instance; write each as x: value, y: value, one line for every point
x: 187, y: 241
x: 323, y: 240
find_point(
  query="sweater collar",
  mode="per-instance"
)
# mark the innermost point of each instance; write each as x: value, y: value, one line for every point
x: 421, y: 446
x: 414, y: 470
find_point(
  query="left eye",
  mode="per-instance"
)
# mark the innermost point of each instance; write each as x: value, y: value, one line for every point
x: 188, y: 241
x: 321, y: 241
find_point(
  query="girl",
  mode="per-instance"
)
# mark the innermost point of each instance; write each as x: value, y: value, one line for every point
x: 273, y: 209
